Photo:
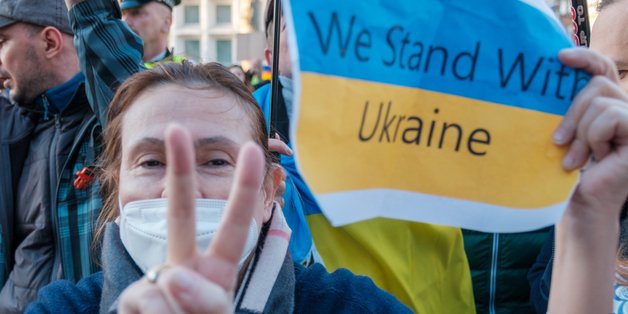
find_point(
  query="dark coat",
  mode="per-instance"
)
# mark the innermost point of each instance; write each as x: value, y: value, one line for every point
x: 45, y: 221
x: 499, y: 265
x: 314, y: 290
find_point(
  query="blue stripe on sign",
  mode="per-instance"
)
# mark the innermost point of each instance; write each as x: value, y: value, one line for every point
x: 498, y: 51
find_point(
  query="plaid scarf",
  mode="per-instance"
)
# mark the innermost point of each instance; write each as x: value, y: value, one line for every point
x: 268, y: 284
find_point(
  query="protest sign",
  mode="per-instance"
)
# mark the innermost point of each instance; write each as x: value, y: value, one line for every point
x: 433, y: 111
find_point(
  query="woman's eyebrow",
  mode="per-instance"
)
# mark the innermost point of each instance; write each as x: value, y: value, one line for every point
x: 147, y: 143
x: 215, y: 140
x: 621, y: 64
x: 151, y: 143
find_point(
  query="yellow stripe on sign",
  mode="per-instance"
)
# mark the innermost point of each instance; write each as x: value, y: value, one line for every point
x: 355, y: 135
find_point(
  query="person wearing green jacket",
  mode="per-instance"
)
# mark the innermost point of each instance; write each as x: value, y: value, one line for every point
x: 499, y: 264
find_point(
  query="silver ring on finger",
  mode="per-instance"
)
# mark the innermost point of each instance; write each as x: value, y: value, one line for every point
x: 153, y: 274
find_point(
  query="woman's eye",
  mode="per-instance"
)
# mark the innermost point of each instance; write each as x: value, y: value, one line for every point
x: 622, y: 74
x: 217, y: 163
x: 151, y: 163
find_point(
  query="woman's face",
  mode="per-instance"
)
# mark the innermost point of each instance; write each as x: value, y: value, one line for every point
x: 218, y: 126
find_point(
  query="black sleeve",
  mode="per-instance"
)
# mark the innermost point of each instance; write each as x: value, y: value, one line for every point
x: 318, y: 291
x: 540, y: 275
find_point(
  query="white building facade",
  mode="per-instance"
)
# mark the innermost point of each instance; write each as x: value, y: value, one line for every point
x: 226, y: 31
x: 230, y: 31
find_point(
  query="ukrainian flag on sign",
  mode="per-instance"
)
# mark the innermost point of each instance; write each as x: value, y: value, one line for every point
x: 433, y: 111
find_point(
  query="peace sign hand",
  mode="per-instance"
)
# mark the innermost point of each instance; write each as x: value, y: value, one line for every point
x: 198, y: 282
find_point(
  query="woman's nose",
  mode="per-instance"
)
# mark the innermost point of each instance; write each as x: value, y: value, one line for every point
x: 197, y: 194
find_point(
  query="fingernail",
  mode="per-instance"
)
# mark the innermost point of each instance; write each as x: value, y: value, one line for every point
x: 567, y: 51
x: 569, y: 162
x: 184, y: 284
x: 559, y: 136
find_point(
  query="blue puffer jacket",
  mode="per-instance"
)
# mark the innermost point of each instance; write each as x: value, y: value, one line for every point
x: 297, y: 205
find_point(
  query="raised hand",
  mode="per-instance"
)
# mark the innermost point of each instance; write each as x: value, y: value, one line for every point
x: 596, y: 130
x: 193, y: 281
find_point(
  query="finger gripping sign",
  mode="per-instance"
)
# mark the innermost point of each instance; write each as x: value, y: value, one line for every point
x: 432, y: 111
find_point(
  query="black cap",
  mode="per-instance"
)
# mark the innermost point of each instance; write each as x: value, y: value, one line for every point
x: 39, y: 12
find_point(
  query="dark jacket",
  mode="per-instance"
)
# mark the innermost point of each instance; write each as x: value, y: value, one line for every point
x: 317, y: 291
x: 540, y: 275
x: 46, y: 223
x: 310, y: 290
x: 16, y: 126
x: 499, y: 265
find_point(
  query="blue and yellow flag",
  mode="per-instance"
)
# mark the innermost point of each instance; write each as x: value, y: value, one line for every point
x: 432, y: 111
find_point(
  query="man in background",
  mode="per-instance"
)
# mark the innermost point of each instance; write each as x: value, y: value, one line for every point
x: 49, y: 140
x: 151, y: 20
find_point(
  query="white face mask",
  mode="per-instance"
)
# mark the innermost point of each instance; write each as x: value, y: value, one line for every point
x: 144, y: 229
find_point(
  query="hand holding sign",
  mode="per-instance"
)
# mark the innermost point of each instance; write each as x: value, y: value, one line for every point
x: 452, y: 123
x: 595, y: 126
x: 586, y: 239
x: 198, y: 282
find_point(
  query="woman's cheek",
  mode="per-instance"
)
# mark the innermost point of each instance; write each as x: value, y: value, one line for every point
x: 215, y: 187
x: 134, y: 188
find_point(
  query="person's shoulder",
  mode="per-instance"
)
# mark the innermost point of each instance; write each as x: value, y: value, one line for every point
x: 261, y: 93
x: 65, y: 297
x: 341, y: 292
x: 17, y: 122
x: 262, y: 84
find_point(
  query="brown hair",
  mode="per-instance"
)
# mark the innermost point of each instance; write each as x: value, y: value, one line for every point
x: 188, y: 75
